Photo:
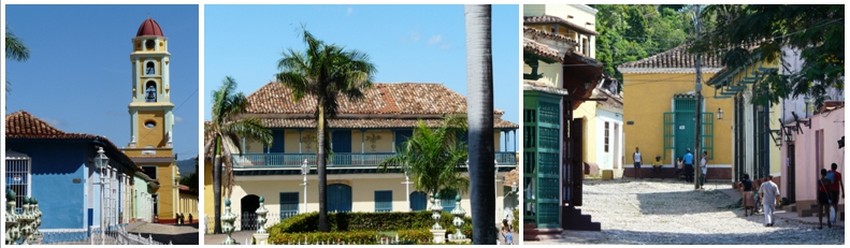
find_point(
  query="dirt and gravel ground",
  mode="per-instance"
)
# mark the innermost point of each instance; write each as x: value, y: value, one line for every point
x: 670, y: 212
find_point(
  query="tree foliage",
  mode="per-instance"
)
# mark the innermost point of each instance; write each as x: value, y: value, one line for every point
x: 432, y: 157
x: 325, y: 72
x: 632, y: 32
x: 814, y: 32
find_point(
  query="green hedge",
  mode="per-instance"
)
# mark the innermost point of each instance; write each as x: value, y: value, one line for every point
x: 416, y: 236
x: 358, y: 237
x: 390, y: 221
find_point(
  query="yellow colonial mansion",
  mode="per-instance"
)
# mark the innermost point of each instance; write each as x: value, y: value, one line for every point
x: 363, y: 134
x: 152, y: 120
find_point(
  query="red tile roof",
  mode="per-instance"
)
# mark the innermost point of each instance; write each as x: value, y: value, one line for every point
x: 385, y: 105
x: 23, y: 125
x: 675, y: 60
x: 548, y: 19
x: 149, y: 27
x: 382, y: 98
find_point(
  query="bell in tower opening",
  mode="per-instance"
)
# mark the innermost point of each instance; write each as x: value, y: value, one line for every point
x: 150, y: 92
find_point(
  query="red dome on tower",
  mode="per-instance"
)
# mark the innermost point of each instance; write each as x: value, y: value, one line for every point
x: 149, y: 28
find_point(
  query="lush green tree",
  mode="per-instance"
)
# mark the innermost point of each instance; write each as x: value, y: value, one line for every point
x: 325, y: 72
x: 479, y: 78
x: 632, y: 32
x: 742, y: 32
x: 226, y: 122
x: 432, y: 157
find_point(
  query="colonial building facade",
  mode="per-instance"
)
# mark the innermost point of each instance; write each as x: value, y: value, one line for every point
x: 660, y: 111
x: 363, y: 134
x: 559, y: 74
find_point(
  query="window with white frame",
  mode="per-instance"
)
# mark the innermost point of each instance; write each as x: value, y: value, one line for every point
x: 19, y: 176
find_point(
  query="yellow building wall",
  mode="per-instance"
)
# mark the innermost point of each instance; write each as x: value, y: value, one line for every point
x: 168, y: 192
x: 308, y: 139
x: 151, y: 136
x: 209, y: 207
x: 587, y: 111
x: 648, y: 96
x: 373, y: 141
x: 188, y: 205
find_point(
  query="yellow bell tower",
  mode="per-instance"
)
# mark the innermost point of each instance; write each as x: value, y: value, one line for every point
x: 151, y: 118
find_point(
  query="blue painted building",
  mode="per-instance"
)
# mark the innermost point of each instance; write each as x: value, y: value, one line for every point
x: 58, y: 169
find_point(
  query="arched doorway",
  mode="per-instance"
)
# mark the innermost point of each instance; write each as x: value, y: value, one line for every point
x: 339, y: 198
x: 418, y: 201
x: 249, y: 204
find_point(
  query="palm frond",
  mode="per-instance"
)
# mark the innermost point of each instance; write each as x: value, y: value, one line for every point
x: 15, y: 48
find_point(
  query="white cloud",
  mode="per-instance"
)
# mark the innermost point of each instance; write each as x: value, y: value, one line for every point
x: 436, y: 39
x: 177, y: 119
x: 415, y: 36
x: 349, y: 11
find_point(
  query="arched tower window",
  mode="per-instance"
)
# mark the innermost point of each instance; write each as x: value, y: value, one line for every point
x: 150, y: 69
x: 150, y: 91
x: 149, y: 45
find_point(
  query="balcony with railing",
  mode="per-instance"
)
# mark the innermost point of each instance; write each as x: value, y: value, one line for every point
x: 293, y: 161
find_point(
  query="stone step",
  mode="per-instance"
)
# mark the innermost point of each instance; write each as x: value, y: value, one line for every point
x: 529, y: 232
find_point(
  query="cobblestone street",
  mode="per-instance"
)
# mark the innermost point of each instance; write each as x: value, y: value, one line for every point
x: 669, y: 212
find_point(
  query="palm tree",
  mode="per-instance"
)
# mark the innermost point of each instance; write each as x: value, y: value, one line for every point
x: 16, y: 50
x: 325, y: 72
x: 227, y: 125
x: 432, y: 157
x: 479, y: 74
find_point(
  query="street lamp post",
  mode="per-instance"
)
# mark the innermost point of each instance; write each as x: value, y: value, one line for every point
x: 407, y: 189
x: 305, y: 169
x: 102, y: 164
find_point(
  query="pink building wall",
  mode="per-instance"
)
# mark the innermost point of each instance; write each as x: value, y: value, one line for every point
x: 806, y: 169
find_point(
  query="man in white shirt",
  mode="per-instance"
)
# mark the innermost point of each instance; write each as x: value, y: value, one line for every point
x: 637, y: 159
x: 769, y: 193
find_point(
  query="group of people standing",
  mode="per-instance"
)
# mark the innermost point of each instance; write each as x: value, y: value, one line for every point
x: 684, y: 165
x: 829, y: 186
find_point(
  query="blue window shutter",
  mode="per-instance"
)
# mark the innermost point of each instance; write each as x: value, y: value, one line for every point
x: 288, y: 204
x: 278, y: 137
x: 418, y: 201
x: 384, y: 201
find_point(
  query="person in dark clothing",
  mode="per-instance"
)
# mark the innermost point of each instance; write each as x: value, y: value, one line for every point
x: 747, y: 195
x: 824, y: 200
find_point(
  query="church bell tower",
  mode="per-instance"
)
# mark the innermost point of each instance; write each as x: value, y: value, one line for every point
x: 152, y: 119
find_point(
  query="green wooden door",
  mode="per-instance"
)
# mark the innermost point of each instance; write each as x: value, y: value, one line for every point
x: 542, y: 117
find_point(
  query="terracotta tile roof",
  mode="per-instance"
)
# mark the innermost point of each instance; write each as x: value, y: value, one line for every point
x: 382, y: 98
x: 385, y: 105
x: 23, y: 125
x: 547, y: 19
x: 675, y: 60
x: 534, y: 47
x: 537, y: 34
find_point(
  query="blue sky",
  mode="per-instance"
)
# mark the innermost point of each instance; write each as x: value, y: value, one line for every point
x: 407, y: 43
x: 78, y: 76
